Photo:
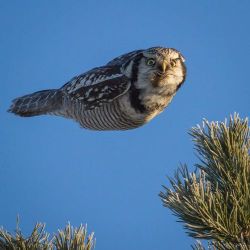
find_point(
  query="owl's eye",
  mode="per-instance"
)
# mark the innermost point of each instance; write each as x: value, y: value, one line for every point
x: 173, y: 63
x: 150, y: 62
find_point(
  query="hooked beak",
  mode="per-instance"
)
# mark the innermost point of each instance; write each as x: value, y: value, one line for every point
x: 164, y: 66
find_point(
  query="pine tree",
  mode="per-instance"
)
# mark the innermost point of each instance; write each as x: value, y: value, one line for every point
x: 213, y: 202
x: 68, y: 239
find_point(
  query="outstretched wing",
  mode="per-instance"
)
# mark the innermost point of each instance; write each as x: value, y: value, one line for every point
x: 97, y: 87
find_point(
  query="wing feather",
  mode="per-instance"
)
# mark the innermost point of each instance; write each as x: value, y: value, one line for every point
x: 97, y: 87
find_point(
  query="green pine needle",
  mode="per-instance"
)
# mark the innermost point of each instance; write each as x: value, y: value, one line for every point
x: 67, y: 239
x: 214, y: 201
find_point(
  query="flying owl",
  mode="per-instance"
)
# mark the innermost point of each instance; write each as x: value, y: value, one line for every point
x: 124, y: 94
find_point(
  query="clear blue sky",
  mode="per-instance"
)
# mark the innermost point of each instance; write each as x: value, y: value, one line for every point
x: 53, y: 171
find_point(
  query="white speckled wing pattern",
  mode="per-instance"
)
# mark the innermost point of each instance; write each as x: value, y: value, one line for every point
x: 92, y: 77
x: 97, y: 87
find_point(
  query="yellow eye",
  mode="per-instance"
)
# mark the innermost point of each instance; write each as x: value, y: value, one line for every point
x: 173, y: 63
x: 150, y: 62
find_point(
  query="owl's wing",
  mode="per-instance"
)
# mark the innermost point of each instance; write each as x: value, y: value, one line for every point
x: 123, y: 58
x: 97, y: 87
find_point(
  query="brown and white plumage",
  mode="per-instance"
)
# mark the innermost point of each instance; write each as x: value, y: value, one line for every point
x: 125, y: 93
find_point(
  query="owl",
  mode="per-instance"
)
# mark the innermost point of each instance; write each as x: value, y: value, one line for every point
x: 126, y: 93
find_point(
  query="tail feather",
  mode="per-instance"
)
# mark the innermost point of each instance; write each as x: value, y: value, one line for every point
x: 38, y: 103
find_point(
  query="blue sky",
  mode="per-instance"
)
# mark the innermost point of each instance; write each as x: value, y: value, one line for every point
x: 53, y: 171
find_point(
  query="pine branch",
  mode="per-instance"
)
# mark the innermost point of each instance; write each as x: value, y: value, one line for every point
x: 214, y: 201
x: 73, y: 238
x: 220, y: 245
x: 67, y: 239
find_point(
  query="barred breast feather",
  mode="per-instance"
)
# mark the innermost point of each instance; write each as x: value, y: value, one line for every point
x: 109, y: 116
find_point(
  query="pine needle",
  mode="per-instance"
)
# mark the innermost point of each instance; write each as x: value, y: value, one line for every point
x: 213, y: 202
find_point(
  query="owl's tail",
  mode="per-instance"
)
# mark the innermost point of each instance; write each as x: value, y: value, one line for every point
x: 38, y: 103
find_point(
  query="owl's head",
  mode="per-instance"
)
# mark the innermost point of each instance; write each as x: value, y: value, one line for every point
x: 163, y: 66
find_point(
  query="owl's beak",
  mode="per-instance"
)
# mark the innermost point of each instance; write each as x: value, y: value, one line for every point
x: 164, y: 66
